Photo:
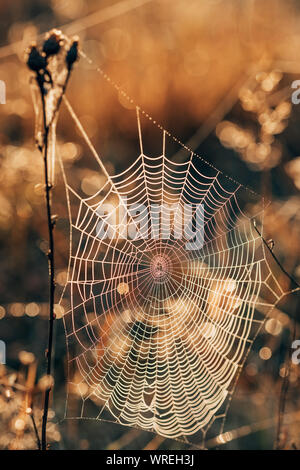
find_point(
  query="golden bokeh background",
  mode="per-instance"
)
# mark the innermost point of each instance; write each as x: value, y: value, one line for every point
x: 217, y: 74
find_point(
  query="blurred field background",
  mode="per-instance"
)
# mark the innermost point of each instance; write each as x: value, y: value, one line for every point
x: 217, y: 74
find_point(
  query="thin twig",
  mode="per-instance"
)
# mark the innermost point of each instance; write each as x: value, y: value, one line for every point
x: 274, y: 256
x: 285, y: 381
x: 38, y: 441
x: 284, y: 388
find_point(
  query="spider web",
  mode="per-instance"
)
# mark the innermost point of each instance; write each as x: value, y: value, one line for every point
x: 157, y: 334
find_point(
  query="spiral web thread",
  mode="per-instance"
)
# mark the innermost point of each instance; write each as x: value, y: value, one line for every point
x: 157, y: 335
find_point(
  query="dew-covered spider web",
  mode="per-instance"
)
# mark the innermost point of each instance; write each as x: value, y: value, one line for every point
x: 157, y: 330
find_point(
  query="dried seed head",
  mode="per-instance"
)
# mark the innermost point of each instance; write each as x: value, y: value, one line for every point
x: 35, y: 60
x: 72, y: 54
x: 52, y: 42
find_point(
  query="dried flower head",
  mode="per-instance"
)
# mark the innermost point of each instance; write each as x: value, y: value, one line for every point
x: 72, y: 54
x: 35, y: 60
x: 52, y: 42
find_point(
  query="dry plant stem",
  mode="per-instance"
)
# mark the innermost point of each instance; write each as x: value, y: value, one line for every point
x: 62, y: 94
x: 284, y: 388
x: 38, y: 441
x: 38, y: 62
x: 285, y: 382
x: 48, y: 188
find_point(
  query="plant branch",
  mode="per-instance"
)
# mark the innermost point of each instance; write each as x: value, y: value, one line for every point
x: 48, y: 188
x: 38, y: 441
x: 40, y: 62
x: 285, y: 382
x: 293, y: 281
